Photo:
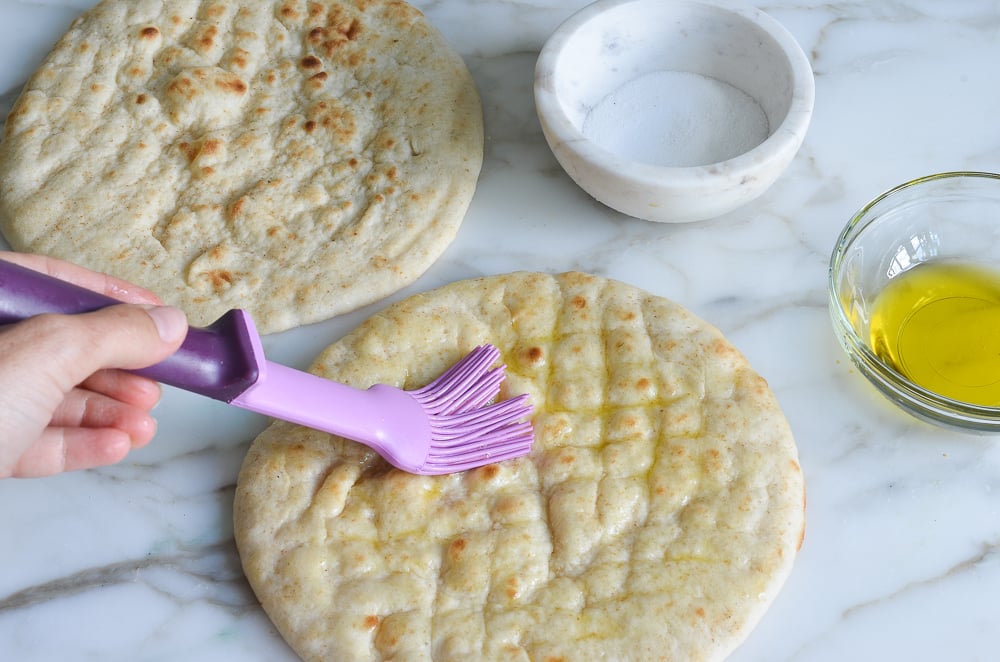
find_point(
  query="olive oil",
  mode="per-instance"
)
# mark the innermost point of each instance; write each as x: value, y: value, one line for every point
x: 938, y: 324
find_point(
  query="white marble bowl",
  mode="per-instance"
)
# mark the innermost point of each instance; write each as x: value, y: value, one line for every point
x: 673, y: 111
x: 948, y: 218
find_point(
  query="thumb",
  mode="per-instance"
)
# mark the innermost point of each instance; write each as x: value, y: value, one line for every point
x: 123, y: 336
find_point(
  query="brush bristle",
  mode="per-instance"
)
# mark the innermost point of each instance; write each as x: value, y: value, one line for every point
x: 466, y: 430
x: 468, y: 384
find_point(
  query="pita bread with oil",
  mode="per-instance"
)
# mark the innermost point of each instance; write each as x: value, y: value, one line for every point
x: 297, y: 159
x: 656, y: 517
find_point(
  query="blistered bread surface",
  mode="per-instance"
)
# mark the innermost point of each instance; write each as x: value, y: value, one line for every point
x: 656, y: 517
x: 294, y: 158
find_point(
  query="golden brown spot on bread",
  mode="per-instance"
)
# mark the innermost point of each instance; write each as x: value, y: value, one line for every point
x: 700, y: 611
x: 288, y: 11
x: 193, y: 151
x: 513, y: 589
x: 319, y: 77
x: 488, y: 472
x: 340, y: 31
x: 578, y: 302
x: 149, y: 32
x: 721, y: 347
x: 316, y: 10
x: 352, y: 30
x: 456, y: 548
x: 237, y: 207
x: 371, y: 621
x: 311, y: 62
x: 207, y: 38
x: 188, y: 150
x: 713, y: 462
x: 232, y: 84
x: 221, y: 279
x: 309, y: 126
x: 240, y: 60
x: 140, y: 99
x: 211, y: 146
x: 643, y: 384
x: 508, y: 505
x: 216, y: 11
x: 182, y: 87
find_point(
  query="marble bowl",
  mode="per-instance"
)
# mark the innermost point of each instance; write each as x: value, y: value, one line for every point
x: 673, y: 111
x: 943, y: 219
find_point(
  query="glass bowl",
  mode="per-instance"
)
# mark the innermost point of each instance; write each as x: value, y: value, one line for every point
x: 948, y: 219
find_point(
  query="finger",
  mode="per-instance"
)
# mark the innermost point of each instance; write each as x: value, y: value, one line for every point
x: 92, y: 280
x: 125, y: 386
x: 71, y: 449
x: 86, y: 409
x: 68, y: 349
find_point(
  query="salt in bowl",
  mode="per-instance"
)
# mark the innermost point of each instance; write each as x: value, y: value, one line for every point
x: 670, y: 110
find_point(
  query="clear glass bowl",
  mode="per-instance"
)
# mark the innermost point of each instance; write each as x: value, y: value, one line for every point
x: 947, y: 216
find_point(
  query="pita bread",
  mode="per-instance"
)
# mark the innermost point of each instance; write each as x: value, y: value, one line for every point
x: 296, y: 159
x: 656, y: 517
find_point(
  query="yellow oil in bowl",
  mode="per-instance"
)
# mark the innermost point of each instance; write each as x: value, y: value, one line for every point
x: 938, y: 324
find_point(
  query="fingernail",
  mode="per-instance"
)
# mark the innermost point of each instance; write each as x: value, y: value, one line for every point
x: 171, y: 323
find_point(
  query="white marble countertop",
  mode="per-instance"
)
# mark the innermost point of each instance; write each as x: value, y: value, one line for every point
x: 902, y: 551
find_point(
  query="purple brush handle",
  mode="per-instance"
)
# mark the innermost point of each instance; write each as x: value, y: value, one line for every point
x: 217, y: 361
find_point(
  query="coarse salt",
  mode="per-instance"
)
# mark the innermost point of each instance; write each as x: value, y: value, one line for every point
x: 676, y: 119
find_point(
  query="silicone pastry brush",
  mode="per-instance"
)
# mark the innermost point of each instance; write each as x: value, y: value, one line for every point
x: 447, y: 426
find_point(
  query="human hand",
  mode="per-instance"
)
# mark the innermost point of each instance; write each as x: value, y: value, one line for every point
x: 65, y: 402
